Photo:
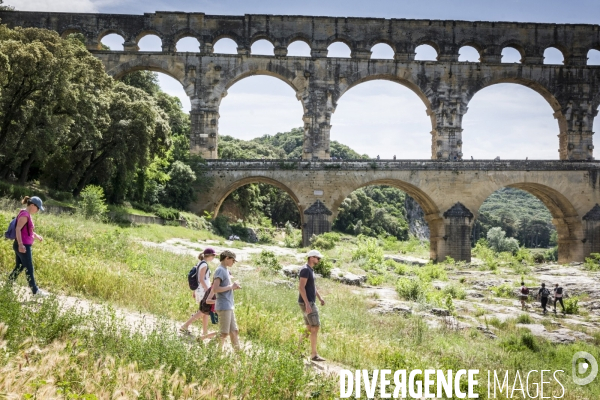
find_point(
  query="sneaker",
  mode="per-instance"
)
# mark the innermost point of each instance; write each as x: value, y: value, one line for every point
x: 41, y: 293
x: 185, y: 332
x: 317, y: 358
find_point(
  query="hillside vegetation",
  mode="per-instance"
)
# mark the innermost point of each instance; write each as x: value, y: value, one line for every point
x: 49, y: 353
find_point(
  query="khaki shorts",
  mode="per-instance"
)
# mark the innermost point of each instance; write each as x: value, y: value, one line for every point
x: 311, y: 319
x: 227, y: 322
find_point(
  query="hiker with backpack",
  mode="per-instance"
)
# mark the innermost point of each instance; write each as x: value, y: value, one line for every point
x: 199, y: 282
x: 543, y: 295
x: 558, y: 296
x: 524, y: 295
x: 22, y: 231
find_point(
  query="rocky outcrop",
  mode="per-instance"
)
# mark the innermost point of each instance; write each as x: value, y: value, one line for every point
x: 347, y: 278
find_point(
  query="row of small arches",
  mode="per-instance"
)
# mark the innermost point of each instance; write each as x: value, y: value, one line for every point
x: 338, y: 49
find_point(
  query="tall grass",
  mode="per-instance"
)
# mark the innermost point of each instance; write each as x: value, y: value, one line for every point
x: 83, y: 355
x: 104, y: 262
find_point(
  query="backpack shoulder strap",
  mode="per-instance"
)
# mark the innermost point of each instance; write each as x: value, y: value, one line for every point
x: 28, y: 219
x: 198, y: 266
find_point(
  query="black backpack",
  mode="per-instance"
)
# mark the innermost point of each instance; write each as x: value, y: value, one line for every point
x: 204, y: 306
x: 193, y: 275
x: 558, y: 290
x: 545, y: 292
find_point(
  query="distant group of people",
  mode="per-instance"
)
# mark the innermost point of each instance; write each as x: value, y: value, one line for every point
x: 543, y: 296
x: 220, y: 293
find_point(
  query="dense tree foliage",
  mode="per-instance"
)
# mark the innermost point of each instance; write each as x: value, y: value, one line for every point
x: 283, y: 145
x: 520, y: 215
x: 65, y: 122
x: 374, y: 211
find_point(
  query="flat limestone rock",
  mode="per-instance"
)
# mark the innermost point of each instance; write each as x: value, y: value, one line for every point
x: 388, y: 306
x: 291, y: 270
x: 347, y: 278
x: 408, y: 260
x: 561, y: 336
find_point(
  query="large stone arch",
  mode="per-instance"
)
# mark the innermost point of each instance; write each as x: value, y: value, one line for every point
x: 250, y: 68
x: 429, y: 206
x: 565, y: 216
x: 220, y: 197
x: 538, y: 87
x: 389, y: 73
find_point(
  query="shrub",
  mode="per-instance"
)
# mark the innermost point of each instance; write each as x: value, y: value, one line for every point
x: 325, y: 241
x: 179, y: 191
x: 265, y: 236
x: 504, y: 290
x: 449, y: 304
x: 60, y: 196
x: 551, y: 254
x: 456, y: 292
x: 368, y: 253
x: 571, y: 305
x: 529, y: 341
x: 268, y: 260
x: 240, y: 230
x: 432, y: 271
x: 410, y: 289
x: 498, y: 241
x: 525, y: 255
x: 324, y: 267
x: 375, y: 279
x: 293, y: 237
x: 92, y: 204
x: 524, y: 319
x: 592, y: 263
x: 221, y: 225
x: 165, y: 212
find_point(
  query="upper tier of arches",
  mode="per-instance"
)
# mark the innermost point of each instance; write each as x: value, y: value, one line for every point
x: 512, y: 52
x: 574, y: 41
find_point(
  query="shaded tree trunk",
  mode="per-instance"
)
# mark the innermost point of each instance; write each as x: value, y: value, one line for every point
x: 25, y: 169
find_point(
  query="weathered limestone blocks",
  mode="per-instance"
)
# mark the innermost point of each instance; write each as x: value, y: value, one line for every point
x: 445, y: 86
x: 569, y: 190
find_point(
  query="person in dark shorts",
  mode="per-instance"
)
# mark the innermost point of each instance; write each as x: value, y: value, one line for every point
x: 306, y: 300
x: 543, y: 295
x: 558, y: 296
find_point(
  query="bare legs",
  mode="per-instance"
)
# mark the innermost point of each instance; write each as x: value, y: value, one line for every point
x: 235, y: 341
x: 194, y: 318
x: 311, y: 332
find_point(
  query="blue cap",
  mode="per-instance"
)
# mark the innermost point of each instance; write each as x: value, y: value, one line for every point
x: 37, y: 201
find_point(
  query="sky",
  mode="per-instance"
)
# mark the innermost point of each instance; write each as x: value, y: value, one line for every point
x: 377, y: 117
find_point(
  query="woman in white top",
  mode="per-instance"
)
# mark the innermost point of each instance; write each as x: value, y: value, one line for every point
x: 204, y: 283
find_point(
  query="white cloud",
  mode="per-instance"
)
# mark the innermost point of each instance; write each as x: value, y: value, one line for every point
x: 75, y: 6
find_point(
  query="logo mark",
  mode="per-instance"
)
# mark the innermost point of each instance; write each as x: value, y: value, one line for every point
x: 583, y: 363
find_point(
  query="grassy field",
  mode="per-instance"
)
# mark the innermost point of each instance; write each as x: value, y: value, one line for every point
x: 106, y: 263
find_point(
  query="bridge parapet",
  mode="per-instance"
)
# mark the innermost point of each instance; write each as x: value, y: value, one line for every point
x: 403, y: 165
x: 450, y: 193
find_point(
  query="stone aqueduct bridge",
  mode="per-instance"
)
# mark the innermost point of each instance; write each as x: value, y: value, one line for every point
x: 450, y: 193
x: 445, y: 86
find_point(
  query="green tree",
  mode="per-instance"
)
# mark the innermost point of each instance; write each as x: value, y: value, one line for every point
x: 52, y: 88
x: 135, y: 132
x: 178, y: 191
